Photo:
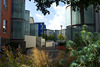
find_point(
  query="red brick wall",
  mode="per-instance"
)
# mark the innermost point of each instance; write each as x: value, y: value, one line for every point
x: 6, y: 15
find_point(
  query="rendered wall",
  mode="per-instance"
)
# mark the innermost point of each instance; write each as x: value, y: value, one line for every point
x: 17, y: 19
x: 30, y: 41
x: 31, y: 20
x: 49, y: 43
x: 40, y: 42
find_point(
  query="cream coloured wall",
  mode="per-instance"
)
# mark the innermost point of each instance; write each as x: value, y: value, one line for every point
x: 30, y: 41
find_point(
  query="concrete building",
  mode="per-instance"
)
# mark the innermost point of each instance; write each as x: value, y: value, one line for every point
x: 58, y: 32
x: 18, y: 22
x: 27, y: 22
x: 48, y: 32
x: 41, y: 26
x: 33, y: 29
x: 5, y: 21
x: 31, y: 20
x: 91, y: 19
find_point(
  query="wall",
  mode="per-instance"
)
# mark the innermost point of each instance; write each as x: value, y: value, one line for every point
x: 5, y: 15
x: 40, y: 41
x: 30, y: 41
x: 40, y: 29
x: 97, y: 18
x: 49, y: 43
x: 48, y: 32
x: 18, y: 19
x: 34, y: 29
x: 31, y: 20
x: 27, y: 22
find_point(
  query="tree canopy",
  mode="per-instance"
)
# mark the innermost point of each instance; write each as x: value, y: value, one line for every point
x: 42, y: 5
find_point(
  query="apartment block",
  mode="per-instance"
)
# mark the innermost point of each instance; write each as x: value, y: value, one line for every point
x: 5, y: 21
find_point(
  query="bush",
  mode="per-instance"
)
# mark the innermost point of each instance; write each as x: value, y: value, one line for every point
x: 87, y: 53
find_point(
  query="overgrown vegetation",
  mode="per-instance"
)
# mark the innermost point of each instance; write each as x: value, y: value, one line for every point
x: 86, y: 50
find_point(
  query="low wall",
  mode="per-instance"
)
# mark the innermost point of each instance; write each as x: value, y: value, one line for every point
x: 40, y: 41
x: 30, y: 41
x: 49, y: 43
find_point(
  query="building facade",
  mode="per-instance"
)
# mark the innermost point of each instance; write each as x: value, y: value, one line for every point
x: 5, y: 21
x: 27, y: 22
x: 41, y: 26
x: 18, y: 22
x: 58, y: 32
x: 91, y: 19
x: 48, y: 32
x: 33, y: 29
x: 31, y: 20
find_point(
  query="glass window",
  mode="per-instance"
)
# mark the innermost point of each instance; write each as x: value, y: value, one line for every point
x: 49, y: 32
x: 4, y: 26
x: 5, y: 4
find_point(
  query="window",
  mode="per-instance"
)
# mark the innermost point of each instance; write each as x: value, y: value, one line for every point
x: 4, y: 26
x: 49, y: 32
x: 5, y: 4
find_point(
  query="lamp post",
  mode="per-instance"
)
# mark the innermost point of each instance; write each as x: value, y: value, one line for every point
x: 61, y: 31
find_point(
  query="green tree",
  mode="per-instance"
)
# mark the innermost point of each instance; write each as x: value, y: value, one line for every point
x: 44, y: 36
x: 50, y: 37
x: 61, y: 37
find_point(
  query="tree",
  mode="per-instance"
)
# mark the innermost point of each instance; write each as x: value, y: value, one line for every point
x: 50, y: 37
x: 79, y: 5
x: 44, y: 36
x: 61, y: 37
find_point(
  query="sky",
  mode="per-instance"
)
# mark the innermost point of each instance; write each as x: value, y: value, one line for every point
x: 58, y: 15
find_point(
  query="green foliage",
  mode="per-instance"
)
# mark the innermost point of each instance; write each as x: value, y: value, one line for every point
x: 44, y: 36
x: 50, y: 37
x: 61, y: 37
x: 9, y: 59
x: 89, y: 54
x: 42, y: 5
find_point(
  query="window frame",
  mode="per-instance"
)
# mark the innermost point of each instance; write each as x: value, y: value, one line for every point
x: 4, y: 26
x: 5, y: 4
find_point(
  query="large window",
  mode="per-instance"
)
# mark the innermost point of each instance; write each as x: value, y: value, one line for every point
x: 4, y: 26
x: 5, y: 4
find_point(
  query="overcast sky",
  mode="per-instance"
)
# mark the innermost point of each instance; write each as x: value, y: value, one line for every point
x: 58, y: 15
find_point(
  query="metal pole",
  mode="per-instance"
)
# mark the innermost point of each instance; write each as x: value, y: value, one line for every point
x: 71, y: 25
x: 61, y: 32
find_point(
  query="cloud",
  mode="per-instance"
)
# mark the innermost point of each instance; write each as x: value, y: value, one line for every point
x: 40, y: 17
x: 59, y: 18
x: 30, y: 15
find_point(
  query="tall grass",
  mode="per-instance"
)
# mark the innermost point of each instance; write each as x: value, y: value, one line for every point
x: 41, y: 58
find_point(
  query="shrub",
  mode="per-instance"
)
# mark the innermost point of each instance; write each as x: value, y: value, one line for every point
x: 60, y: 55
x: 41, y: 58
x: 88, y: 53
